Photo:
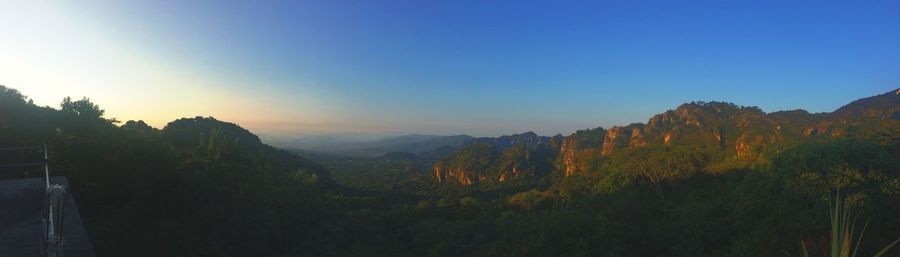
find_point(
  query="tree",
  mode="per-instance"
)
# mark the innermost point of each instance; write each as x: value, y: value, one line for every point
x: 10, y: 95
x: 661, y: 164
x: 83, y: 108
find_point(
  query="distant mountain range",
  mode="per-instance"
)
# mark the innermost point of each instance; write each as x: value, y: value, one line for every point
x: 734, y: 136
x: 742, y: 131
x: 413, y: 144
x: 427, y: 146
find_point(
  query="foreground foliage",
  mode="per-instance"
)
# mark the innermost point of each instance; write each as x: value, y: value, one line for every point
x: 843, y: 231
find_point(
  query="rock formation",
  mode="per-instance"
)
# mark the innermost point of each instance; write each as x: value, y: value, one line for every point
x: 739, y: 131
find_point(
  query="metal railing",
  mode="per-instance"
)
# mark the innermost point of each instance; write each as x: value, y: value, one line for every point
x: 54, y: 202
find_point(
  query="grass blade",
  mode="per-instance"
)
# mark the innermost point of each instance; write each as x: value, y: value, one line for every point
x: 886, y: 248
x: 803, y: 246
x: 861, y: 233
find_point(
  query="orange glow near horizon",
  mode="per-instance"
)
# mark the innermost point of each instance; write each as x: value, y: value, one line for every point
x: 64, y: 55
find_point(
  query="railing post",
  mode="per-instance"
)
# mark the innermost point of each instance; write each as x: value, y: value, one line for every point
x: 46, y: 167
x: 54, y: 211
x: 54, y: 204
x: 53, y: 220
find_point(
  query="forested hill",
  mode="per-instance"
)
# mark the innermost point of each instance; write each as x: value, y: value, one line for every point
x: 725, y: 135
x: 197, y: 187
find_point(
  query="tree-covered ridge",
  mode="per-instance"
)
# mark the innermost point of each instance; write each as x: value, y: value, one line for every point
x: 589, y: 138
x: 500, y: 159
x: 884, y: 106
x: 504, y: 142
x: 730, y: 135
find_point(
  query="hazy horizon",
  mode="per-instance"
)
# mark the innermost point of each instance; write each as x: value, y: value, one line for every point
x: 394, y: 68
x: 373, y: 136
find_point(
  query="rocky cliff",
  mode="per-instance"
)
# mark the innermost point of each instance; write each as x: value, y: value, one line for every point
x: 499, y: 159
x: 740, y: 133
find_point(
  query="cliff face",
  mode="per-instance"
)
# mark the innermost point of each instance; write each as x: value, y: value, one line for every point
x: 743, y: 133
x: 577, y: 148
x: 567, y: 157
x: 467, y: 166
x: 736, y: 130
x: 611, y: 141
x: 499, y: 160
x: 460, y: 175
x: 623, y: 137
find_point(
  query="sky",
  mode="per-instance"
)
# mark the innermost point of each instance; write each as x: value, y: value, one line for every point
x: 484, y: 68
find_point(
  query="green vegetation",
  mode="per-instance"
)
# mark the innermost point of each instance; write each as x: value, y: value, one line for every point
x: 589, y: 138
x: 843, y: 229
x: 203, y: 187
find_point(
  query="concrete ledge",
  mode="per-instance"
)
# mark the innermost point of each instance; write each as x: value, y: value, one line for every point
x: 21, y: 207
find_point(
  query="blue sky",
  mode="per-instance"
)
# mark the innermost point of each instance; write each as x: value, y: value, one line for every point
x: 446, y: 67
